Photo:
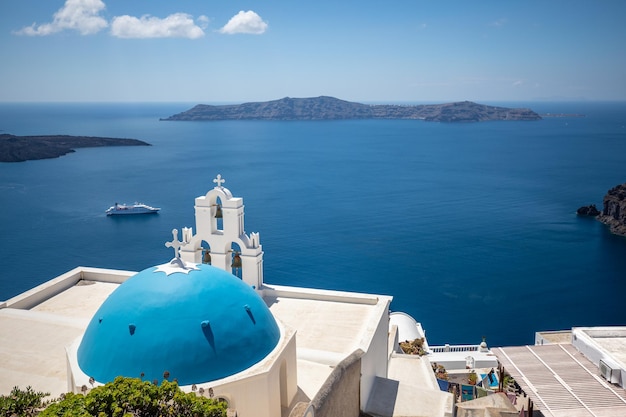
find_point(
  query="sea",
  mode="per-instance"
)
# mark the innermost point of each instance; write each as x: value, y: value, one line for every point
x: 471, y: 227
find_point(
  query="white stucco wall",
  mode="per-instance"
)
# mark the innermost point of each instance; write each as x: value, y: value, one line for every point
x: 606, y: 344
x: 259, y: 395
x: 374, y: 362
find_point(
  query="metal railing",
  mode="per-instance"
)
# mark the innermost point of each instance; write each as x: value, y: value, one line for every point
x: 454, y: 348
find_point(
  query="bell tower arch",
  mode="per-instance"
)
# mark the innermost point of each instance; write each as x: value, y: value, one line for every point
x: 219, y: 203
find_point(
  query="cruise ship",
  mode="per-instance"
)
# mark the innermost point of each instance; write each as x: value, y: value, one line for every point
x: 137, y: 208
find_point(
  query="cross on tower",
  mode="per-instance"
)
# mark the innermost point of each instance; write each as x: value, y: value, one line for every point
x: 175, y: 243
x: 219, y: 180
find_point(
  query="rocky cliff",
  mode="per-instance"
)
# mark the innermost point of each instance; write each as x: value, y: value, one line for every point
x: 330, y: 108
x: 614, y: 210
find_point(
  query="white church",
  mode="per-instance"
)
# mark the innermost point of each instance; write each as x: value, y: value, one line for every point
x: 208, y: 320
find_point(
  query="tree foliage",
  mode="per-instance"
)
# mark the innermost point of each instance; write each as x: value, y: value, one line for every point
x: 22, y: 402
x: 131, y: 397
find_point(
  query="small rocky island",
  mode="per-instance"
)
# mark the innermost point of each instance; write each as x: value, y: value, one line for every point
x: 613, y: 212
x: 25, y: 148
x: 330, y: 108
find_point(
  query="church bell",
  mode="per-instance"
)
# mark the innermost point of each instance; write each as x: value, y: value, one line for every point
x: 206, y: 259
x: 218, y: 212
x: 236, y: 261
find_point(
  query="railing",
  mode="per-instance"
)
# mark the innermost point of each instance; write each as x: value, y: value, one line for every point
x: 454, y: 348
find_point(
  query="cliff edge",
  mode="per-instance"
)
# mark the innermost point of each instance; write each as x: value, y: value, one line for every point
x: 614, y: 210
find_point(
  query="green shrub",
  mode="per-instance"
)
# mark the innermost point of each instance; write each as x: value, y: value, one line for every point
x: 22, y: 403
x: 130, y: 397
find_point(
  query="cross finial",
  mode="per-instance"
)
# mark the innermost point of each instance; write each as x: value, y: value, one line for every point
x: 175, y: 243
x: 219, y: 180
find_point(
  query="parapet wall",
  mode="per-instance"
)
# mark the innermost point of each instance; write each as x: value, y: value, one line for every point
x: 340, y: 394
x: 49, y: 289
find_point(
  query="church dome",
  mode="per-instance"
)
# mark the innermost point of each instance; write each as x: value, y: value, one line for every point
x: 193, y: 325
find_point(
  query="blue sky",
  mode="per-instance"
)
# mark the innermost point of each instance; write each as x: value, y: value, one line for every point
x: 211, y: 51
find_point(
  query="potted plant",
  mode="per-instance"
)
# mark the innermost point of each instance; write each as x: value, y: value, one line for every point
x: 472, y: 378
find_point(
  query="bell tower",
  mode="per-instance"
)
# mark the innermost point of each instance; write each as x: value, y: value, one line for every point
x: 220, y: 223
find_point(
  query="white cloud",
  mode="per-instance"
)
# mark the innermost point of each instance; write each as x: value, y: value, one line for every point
x: 203, y: 21
x: 177, y: 25
x: 84, y: 16
x: 517, y: 83
x: 245, y: 22
x: 80, y: 15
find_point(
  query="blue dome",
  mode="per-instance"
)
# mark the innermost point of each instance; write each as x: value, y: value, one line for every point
x: 198, y: 326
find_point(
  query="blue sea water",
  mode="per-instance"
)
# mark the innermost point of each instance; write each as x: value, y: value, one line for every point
x: 471, y: 227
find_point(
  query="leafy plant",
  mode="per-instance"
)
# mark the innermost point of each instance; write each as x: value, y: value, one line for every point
x: 22, y: 402
x: 70, y: 405
x: 131, y: 397
x: 508, y: 383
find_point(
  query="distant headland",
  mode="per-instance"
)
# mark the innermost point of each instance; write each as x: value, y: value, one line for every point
x: 25, y: 148
x: 330, y: 108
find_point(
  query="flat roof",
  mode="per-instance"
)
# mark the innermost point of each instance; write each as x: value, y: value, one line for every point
x: 616, y: 346
x: 611, y: 340
x: 33, y: 341
x: 81, y: 300
x: 561, y: 381
x: 330, y: 325
x: 560, y: 336
x: 324, y: 326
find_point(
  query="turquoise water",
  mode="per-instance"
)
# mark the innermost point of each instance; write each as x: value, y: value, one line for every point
x: 471, y: 227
